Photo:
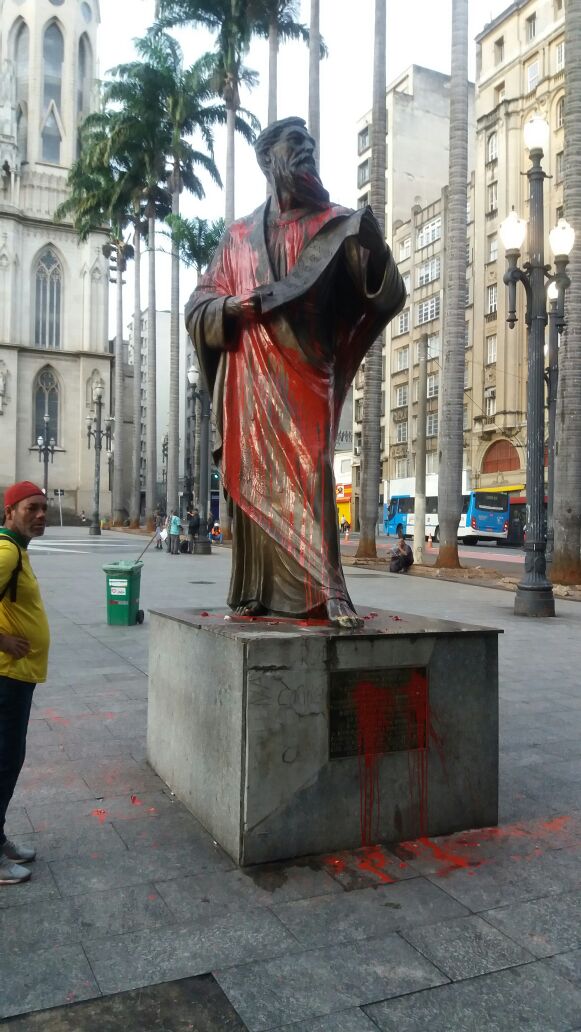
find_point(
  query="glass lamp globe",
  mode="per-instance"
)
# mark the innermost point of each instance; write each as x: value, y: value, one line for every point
x: 536, y: 133
x: 512, y: 232
x: 562, y: 238
x: 552, y: 291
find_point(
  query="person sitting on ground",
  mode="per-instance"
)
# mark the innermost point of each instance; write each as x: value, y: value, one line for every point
x: 402, y: 556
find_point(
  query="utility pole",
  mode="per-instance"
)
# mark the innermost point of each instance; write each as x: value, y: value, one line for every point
x: 420, y: 492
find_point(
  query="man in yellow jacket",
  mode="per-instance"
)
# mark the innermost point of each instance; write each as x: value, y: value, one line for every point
x: 24, y: 645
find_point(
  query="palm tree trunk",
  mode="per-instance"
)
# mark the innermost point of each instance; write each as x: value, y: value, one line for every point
x: 566, y: 567
x: 314, y: 67
x: 272, y: 71
x: 174, y: 363
x: 452, y: 394
x: 135, y: 505
x: 119, y: 511
x: 197, y: 430
x: 371, y: 427
x: 230, y: 166
x: 151, y: 402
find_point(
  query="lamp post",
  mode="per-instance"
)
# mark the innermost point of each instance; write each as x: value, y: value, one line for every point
x: 534, y: 594
x: 199, y: 393
x: 95, y: 431
x: 164, y: 450
x: 46, y: 447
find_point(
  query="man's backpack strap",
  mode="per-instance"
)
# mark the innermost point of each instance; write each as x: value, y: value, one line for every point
x: 12, y: 584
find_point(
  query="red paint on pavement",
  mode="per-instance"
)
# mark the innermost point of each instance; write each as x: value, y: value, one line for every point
x: 135, y: 801
x: 374, y: 861
x: 101, y: 814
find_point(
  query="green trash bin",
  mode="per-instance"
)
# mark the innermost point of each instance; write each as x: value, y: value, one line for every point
x: 123, y: 583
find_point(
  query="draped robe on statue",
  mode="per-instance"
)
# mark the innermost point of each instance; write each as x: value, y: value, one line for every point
x: 277, y: 396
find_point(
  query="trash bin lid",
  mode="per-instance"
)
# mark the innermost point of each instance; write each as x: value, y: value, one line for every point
x: 123, y: 566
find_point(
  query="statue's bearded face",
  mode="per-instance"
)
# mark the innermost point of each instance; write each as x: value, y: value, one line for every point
x: 292, y: 167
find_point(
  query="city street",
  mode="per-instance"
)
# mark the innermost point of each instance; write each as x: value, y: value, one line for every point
x: 508, y: 561
x: 134, y: 919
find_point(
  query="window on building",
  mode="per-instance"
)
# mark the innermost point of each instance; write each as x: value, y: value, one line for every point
x: 48, y: 300
x: 466, y: 377
x: 402, y: 358
x: 415, y: 390
x: 400, y: 396
x: 491, y: 298
x: 363, y: 171
x: 499, y: 50
x: 432, y: 424
x: 46, y: 403
x: 533, y: 74
x: 403, y: 322
x: 491, y: 343
x: 21, y: 48
x: 429, y: 232
x: 363, y: 201
x: 433, y: 345
x: 401, y: 468
x: 560, y: 166
x: 433, y: 385
x: 405, y: 248
x: 467, y: 337
x: 492, y: 147
x: 499, y: 93
x: 560, y: 113
x: 429, y: 271
x: 358, y: 410
x: 53, y: 55
x: 432, y: 462
x: 468, y: 253
x: 401, y: 432
x: 492, y: 247
x: 467, y: 293
x: 492, y: 197
x: 363, y: 140
x: 465, y: 417
x: 407, y: 281
x: 84, y: 77
x: 428, y: 310
x: 560, y: 213
x: 560, y: 56
x: 531, y: 27
x: 490, y: 403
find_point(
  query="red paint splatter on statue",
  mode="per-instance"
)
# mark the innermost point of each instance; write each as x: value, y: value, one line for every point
x: 373, y: 708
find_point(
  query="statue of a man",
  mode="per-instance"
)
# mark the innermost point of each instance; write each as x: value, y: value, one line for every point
x: 295, y: 296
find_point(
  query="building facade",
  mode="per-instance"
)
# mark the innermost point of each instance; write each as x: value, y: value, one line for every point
x: 53, y: 290
x: 520, y: 72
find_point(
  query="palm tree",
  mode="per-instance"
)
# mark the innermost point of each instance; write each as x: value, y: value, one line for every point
x: 278, y: 22
x: 99, y: 196
x: 234, y: 22
x: 566, y: 566
x: 314, y: 91
x: 452, y: 394
x: 371, y: 430
x: 184, y: 100
x: 197, y: 239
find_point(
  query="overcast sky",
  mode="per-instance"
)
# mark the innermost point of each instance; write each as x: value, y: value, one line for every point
x: 418, y: 33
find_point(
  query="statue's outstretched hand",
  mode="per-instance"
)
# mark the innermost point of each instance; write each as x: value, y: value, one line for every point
x: 243, y: 307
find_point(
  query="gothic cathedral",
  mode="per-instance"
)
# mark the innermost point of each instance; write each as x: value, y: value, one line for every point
x: 53, y: 290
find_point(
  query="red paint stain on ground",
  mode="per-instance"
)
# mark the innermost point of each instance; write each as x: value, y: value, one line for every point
x: 152, y: 896
x: 556, y: 824
x: 450, y: 859
x: 101, y: 814
x: 135, y: 801
x: 374, y: 861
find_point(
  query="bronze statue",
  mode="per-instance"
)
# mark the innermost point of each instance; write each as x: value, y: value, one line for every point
x: 295, y: 296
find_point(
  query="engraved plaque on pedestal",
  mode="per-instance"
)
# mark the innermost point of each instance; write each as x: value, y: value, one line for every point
x: 377, y: 711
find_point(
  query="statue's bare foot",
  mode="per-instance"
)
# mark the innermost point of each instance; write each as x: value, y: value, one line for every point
x: 253, y: 608
x: 343, y: 615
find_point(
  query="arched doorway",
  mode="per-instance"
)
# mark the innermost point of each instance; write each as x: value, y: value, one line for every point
x: 501, y: 457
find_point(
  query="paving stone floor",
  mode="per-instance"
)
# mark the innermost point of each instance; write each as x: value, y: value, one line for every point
x: 134, y: 909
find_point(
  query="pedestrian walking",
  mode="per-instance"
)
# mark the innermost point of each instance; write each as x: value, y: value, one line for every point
x: 24, y: 645
x: 402, y: 556
x: 159, y: 521
x: 193, y: 529
x: 83, y: 517
x: 175, y: 527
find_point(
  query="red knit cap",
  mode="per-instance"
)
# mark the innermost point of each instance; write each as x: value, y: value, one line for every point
x: 18, y: 492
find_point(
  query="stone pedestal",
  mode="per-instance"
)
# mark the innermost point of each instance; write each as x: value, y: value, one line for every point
x: 286, y: 738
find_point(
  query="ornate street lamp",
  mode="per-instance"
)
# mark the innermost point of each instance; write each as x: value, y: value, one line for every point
x: 199, y: 393
x: 46, y: 447
x: 534, y: 594
x: 95, y: 431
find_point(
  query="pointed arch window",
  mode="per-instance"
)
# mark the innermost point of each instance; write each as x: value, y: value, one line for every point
x: 560, y: 119
x: 84, y: 77
x: 46, y: 402
x: 21, y: 54
x: 48, y: 301
x: 53, y: 56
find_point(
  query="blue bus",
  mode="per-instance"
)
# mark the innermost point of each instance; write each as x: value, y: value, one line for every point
x: 485, y: 516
